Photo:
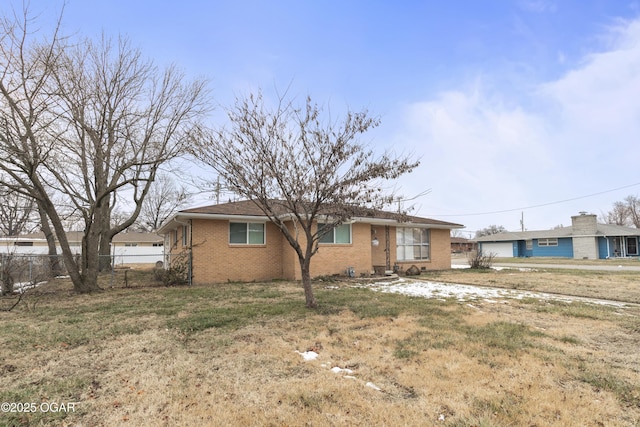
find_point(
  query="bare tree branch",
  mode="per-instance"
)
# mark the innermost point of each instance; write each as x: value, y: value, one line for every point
x: 300, y: 168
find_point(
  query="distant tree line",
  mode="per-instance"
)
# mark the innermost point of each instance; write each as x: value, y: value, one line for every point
x: 88, y: 127
x: 625, y: 212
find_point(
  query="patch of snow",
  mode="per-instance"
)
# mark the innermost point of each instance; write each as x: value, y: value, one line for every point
x: 308, y: 355
x: 338, y: 370
x: 465, y: 293
x: 23, y: 286
x: 373, y: 386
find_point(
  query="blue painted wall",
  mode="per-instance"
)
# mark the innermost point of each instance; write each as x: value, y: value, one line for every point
x: 564, y: 249
x: 522, y: 249
x: 602, y: 248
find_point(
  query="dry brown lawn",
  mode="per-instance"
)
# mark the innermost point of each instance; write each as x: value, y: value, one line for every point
x: 230, y: 355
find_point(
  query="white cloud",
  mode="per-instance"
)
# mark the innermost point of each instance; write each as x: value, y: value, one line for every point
x: 570, y: 137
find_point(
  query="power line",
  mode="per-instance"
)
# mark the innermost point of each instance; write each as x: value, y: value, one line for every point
x: 544, y: 204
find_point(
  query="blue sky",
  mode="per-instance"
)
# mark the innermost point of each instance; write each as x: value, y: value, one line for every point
x: 511, y: 105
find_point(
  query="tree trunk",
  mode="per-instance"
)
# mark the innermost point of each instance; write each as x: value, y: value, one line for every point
x: 55, y: 267
x: 306, y: 284
x: 105, y: 251
x: 90, y: 261
x: 105, y: 236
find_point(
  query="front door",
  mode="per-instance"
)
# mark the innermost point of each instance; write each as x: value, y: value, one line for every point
x: 632, y: 246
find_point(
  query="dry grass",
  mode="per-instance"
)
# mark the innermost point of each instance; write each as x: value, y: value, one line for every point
x: 227, y: 355
x: 611, y: 285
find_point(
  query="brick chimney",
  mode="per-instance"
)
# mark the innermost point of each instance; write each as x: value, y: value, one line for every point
x: 584, y: 228
x: 584, y: 224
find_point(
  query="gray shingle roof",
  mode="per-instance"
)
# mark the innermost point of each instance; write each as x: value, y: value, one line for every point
x: 602, y: 230
x: 249, y: 208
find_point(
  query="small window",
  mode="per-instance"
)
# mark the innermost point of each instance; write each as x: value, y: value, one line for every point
x: 185, y: 235
x: 157, y: 244
x: 547, y: 242
x: 23, y: 243
x: 529, y: 245
x: 246, y: 233
x: 341, y: 234
x: 129, y: 244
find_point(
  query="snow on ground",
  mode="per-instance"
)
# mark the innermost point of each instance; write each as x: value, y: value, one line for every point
x: 24, y: 286
x: 463, y: 293
x: 427, y: 289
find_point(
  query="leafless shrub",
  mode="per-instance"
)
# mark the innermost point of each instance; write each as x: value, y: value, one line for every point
x: 177, y: 273
x: 480, y: 260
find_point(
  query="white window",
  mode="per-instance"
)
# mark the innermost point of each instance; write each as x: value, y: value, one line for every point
x: 529, y: 245
x: 246, y: 233
x: 412, y: 243
x: 340, y: 234
x: 185, y: 235
x: 547, y: 242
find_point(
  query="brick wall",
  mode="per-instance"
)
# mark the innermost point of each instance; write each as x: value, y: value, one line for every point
x: 440, y: 247
x: 334, y: 258
x: 215, y: 260
x: 584, y: 228
x: 585, y: 247
x: 584, y: 224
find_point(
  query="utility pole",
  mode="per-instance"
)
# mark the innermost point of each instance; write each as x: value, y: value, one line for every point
x: 522, y: 220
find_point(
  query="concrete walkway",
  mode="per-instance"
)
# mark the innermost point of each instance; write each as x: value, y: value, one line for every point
x: 617, y: 267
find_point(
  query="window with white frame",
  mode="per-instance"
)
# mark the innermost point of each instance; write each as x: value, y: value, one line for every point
x: 547, y: 242
x: 413, y: 243
x: 185, y: 235
x: 529, y: 245
x: 246, y: 233
x: 340, y: 234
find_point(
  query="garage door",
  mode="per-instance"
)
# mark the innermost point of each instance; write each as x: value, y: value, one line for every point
x: 500, y: 249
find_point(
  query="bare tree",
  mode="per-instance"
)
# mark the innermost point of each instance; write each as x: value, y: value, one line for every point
x: 163, y: 200
x: 300, y: 169
x: 88, y: 123
x: 619, y: 215
x: 16, y: 212
x: 488, y: 231
x: 633, y: 206
x: 626, y: 212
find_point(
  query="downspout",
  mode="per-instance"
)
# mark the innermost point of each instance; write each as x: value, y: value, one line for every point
x: 608, y: 248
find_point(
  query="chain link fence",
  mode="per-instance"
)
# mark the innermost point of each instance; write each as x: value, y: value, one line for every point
x: 19, y: 272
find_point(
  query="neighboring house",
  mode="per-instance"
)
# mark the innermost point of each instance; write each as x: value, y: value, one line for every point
x: 461, y: 245
x: 126, y: 247
x: 237, y: 242
x: 585, y: 239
